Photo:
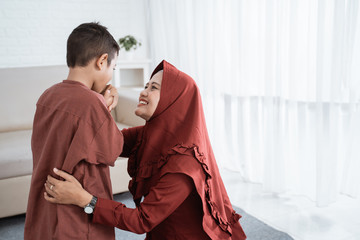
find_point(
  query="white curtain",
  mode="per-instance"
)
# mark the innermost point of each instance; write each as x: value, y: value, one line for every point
x: 280, y: 82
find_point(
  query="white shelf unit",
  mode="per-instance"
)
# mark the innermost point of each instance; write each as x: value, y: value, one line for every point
x: 131, y: 73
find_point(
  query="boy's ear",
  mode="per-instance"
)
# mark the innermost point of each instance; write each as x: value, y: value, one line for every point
x: 102, y: 61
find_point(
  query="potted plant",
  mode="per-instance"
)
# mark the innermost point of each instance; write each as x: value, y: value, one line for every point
x: 129, y: 43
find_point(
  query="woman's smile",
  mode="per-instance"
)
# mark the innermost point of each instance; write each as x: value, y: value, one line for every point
x: 142, y: 102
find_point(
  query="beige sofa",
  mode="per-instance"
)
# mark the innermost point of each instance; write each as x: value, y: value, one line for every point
x: 20, y: 89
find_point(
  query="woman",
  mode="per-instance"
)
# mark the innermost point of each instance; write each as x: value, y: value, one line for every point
x: 172, y: 166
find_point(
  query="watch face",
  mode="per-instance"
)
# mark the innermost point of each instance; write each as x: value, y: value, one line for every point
x: 88, y: 210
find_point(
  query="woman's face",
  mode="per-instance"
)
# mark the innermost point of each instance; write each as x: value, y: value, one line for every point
x: 149, y: 97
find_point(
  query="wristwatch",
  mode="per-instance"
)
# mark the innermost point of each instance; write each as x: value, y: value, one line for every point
x: 89, y: 209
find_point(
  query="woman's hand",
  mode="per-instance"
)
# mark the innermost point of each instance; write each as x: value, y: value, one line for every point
x: 111, y: 96
x: 68, y: 191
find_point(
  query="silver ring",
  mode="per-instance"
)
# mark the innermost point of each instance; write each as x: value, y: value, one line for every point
x: 51, y: 187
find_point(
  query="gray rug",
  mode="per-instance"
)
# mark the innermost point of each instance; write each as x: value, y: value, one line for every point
x: 12, y: 228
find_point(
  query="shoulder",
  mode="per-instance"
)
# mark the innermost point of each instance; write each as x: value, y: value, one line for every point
x: 89, y: 98
x: 92, y: 108
x: 49, y: 91
x: 76, y: 100
x: 70, y: 92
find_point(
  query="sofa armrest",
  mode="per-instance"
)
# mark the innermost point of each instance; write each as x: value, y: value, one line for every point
x: 124, y: 110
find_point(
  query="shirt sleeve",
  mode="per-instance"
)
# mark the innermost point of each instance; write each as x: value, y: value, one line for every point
x: 163, y: 199
x: 106, y: 145
x: 95, y: 146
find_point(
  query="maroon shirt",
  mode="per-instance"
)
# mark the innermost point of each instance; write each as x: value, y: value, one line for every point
x: 72, y: 131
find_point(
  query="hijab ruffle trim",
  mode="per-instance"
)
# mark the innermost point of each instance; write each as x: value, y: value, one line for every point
x: 221, y: 221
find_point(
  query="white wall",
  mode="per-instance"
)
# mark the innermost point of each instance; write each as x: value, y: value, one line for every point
x: 34, y: 32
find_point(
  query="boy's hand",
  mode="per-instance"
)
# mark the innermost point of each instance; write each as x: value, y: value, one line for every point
x: 68, y: 191
x: 111, y: 96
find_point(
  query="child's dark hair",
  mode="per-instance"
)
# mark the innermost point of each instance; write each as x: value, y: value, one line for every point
x: 89, y: 41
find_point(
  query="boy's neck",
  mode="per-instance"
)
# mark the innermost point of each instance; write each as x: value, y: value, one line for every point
x: 82, y: 75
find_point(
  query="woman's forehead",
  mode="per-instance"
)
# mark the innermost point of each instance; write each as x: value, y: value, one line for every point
x: 157, y: 77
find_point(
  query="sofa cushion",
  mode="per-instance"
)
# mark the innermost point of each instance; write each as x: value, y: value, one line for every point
x: 15, y: 154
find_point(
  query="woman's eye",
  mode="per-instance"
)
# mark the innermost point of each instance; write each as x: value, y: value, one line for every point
x: 153, y: 87
x: 145, y: 87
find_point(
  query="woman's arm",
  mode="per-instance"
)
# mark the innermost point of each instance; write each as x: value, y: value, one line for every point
x: 163, y: 199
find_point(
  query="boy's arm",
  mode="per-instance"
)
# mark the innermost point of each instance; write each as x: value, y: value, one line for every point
x: 107, y: 144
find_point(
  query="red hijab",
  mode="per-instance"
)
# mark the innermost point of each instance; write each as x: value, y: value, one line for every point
x: 178, y: 128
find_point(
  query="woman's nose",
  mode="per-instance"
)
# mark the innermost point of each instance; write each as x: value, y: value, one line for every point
x: 143, y: 93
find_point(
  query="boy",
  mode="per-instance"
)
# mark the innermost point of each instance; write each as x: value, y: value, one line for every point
x: 73, y: 130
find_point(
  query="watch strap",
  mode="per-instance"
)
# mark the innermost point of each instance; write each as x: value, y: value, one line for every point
x: 89, y: 209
